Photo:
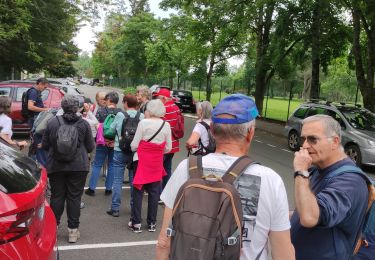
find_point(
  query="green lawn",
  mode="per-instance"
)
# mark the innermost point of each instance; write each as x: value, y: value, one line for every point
x: 277, y: 108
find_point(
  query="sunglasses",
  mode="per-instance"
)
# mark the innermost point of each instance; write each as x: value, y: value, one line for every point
x: 311, y: 139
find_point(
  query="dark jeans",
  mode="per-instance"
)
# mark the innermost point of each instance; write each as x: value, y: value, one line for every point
x: 67, y: 186
x: 153, y: 190
x: 167, y: 163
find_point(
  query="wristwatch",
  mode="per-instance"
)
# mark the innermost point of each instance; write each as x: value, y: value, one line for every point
x: 304, y: 174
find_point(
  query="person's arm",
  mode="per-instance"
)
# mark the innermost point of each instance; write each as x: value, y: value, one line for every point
x: 89, y: 140
x: 305, y: 201
x: 168, y: 146
x: 9, y: 140
x: 137, y: 137
x: 193, y: 140
x: 33, y: 95
x: 164, y: 243
x: 281, y: 245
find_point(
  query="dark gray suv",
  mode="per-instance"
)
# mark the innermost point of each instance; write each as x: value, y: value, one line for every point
x: 358, y: 128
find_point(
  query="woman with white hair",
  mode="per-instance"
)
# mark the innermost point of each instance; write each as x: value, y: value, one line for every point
x: 152, y: 139
x: 199, y: 138
x: 143, y: 96
x: 68, y: 140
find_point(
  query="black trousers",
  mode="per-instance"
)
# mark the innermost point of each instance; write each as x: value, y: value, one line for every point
x: 67, y: 187
x: 153, y: 190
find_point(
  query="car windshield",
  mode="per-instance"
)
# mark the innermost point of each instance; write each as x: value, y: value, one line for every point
x: 182, y: 93
x: 361, y: 119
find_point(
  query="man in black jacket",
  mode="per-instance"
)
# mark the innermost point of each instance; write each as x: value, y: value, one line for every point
x: 68, y: 177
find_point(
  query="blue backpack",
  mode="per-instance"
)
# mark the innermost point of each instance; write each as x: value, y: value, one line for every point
x: 365, y: 246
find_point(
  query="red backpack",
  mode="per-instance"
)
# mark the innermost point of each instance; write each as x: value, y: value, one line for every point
x: 178, y: 129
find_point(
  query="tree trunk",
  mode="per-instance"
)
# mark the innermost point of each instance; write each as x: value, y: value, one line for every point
x: 315, y: 49
x: 208, y: 78
x: 366, y: 86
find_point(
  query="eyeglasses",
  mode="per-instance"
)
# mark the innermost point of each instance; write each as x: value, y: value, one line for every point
x: 311, y: 139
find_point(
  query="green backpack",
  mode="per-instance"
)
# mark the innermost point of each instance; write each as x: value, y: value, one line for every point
x: 109, y: 133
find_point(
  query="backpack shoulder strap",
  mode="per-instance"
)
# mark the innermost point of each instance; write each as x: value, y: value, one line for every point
x: 205, y: 125
x: 124, y: 122
x: 195, y: 167
x: 237, y: 168
x: 137, y: 115
x: 60, y: 120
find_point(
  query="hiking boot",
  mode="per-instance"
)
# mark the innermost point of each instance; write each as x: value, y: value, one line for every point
x: 90, y: 192
x: 113, y: 213
x: 73, y: 235
x: 152, y: 227
x: 136, y: 228
x: 107, y: 192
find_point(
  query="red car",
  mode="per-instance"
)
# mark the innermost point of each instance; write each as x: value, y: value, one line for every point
x: 14, y: 89
x: 27, y: 224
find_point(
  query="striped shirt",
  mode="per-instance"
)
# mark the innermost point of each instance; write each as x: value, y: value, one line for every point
x: 171, y: 115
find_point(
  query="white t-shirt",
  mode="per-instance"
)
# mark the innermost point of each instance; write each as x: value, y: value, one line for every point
x: 6, y: 125
x: 202, y: 131
x: 263, y: 197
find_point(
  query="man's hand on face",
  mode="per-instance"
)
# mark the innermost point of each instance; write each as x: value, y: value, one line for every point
x: 302, y: 160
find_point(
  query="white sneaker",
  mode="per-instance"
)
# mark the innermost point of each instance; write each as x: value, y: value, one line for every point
x: 73, y: 235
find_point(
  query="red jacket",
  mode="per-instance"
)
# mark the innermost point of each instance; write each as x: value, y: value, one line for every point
x: 171, y: 115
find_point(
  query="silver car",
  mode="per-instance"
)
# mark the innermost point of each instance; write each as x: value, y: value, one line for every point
x: 358, y: 128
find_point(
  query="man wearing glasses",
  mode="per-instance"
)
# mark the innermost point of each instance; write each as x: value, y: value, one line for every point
x: 330, y: 197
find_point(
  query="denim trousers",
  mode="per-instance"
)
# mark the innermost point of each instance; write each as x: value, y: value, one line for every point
x: 102, y: 152
x: 167, y: 163
x: 120, y: 160
x: 67, y: 187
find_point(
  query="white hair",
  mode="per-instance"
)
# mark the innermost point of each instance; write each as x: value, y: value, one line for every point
x: 330, y: 125
x: 232, y: 131
x: 156, y: 108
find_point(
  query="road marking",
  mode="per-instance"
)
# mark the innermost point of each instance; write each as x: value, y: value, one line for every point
x: 258, y: 141
x: 271, y: 145
x: 103, y: 188
x: 107, y: 245
x: 286, y: 150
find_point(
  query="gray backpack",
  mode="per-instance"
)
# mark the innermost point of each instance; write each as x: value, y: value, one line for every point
x: 67, y: 140
x: 207, y: 214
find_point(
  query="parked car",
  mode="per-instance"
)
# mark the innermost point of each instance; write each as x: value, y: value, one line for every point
x: 184, y: 100
x: 28, y: 227
x: 67, y: 86
x: 14, y: 89
x: 358, y: 128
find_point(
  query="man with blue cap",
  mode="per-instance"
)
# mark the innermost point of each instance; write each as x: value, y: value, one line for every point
x: 263, y: 196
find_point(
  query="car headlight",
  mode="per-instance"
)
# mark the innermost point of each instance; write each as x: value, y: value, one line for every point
x: 372, y: 143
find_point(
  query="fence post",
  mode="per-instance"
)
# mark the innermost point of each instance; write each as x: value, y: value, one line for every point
x: 290, y: 97
x: 199, y: 91
x: 268, y: 93
x: 234, y: 86
x: 221, y: 89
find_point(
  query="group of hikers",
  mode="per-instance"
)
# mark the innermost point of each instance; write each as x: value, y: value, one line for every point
x: 218, y: 203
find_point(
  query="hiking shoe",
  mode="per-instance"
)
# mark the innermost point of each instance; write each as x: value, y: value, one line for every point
x: 113, y: 213
x: 160, y: 202
x: 107, y: 192
x: 73, y: 235
x: 90, y: 192
x: 152, y: 227
x: 136, y: 228
x: 82, y: 205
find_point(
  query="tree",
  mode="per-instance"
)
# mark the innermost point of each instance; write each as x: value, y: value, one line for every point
x: 217, y: 30
x: 363, y: 13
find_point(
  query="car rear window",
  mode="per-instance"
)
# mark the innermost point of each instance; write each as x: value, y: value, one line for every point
x: 5, y: 92
x: 300, y: 113
x: 182, y: 93
x: 18, y: 173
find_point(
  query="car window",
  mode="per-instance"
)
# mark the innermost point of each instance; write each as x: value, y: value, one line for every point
x: 182, y: 93
x: 19, y: 93
x: 336, y: 116
x: 360, y: 119
x: 5, y: 92
x: 316, y: 111
x: 18, y: 173
x: 300, y: 113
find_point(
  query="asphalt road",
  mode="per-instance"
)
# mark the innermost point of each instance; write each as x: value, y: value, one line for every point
x: 106, y: 237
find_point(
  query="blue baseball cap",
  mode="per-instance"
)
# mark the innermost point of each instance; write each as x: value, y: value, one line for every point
x: 242, y: 107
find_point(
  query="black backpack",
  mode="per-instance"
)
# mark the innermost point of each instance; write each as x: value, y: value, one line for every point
x: 25, y: 112
x: 211, y: 147
x: 128, y: 129
x: 67, y: 140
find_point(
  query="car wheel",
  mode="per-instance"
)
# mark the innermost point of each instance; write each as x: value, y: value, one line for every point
x: 354, y: 153
x: 293, y: 141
